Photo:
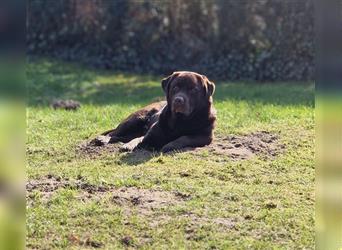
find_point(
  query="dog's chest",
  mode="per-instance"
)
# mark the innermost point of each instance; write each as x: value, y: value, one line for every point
x: 181, y: 127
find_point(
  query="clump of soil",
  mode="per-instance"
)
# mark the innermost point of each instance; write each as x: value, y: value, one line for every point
x: 236, y: 147
x: 264, y: 144
x: 66, y: 104
x: 92, y: 150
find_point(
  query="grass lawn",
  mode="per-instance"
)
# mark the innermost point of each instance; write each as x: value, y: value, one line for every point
x: 184, y: 200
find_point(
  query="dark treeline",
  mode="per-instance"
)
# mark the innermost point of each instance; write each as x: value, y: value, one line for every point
x: 266, y: 40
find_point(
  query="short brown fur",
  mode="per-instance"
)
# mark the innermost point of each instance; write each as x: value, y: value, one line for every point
x: 185, y: 119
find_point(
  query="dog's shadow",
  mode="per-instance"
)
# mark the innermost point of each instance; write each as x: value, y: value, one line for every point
x: 141, y: 156
x: 131, y: 158
x: 137, y: 157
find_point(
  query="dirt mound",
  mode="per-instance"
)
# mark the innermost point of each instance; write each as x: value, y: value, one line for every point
x: 66, y: 104
x: 144, y: 199
x: 237, y: 147
x: 147, y: 204
x: 262, y: 143
x: 91, y: 150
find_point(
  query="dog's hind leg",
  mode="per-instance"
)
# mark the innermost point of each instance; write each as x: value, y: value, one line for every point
x: 132, y: 127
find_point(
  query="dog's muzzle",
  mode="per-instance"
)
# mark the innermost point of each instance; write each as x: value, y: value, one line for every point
x: 179, y: 105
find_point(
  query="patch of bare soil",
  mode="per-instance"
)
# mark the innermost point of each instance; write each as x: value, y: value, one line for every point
x: 88, y: 149
x: 263, y: 144
x: 236, y: 147
x: 147, y: 203
x: 50, y: 184
x: 127, y: 197
x: 91, y: 150
x: 146, y: 200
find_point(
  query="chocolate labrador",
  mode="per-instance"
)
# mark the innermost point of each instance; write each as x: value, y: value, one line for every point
x: 186, y: 119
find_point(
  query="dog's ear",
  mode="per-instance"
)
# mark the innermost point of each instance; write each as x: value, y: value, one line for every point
x: 166, y: 81
x: 210, y: 86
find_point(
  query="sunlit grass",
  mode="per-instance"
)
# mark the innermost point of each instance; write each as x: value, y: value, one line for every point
x: 239, y: 190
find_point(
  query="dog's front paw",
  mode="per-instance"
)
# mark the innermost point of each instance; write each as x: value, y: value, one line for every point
x: 127, y: 147
x: 132, y: 145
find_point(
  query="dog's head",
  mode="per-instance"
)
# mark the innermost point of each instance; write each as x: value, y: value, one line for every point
x: 187, y: 91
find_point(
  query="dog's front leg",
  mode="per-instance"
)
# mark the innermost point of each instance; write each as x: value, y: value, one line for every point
x: 130, y: 146
x: 187, y: 141
x: 154, y: 139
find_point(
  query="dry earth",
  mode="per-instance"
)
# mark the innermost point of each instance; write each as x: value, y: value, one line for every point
x: 237, y: 147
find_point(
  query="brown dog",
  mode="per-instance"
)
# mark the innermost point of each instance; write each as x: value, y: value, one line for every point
x: 186, y: 119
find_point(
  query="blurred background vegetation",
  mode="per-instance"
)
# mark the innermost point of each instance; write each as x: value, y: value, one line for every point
x: 264, y: 40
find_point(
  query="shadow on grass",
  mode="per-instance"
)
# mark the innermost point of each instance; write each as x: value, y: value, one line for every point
x: 138, y: 157
x: 49, y: 80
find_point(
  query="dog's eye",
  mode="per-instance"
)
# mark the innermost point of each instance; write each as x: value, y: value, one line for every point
x: 194, y: 89
x: 175, y: 89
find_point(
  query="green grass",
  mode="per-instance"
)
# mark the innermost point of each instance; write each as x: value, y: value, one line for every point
x: 218, y: 186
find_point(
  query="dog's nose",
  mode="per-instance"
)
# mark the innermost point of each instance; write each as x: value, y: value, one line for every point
x: 179, y: 100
